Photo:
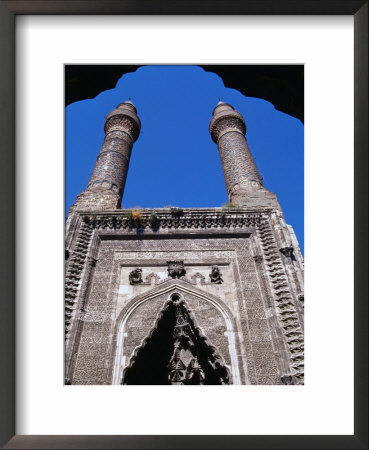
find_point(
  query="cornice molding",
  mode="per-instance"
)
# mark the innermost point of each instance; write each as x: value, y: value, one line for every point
x: 186, y: 219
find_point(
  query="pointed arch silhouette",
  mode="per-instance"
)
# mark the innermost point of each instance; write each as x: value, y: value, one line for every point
x: 176, y: 352
x: 170, y: 287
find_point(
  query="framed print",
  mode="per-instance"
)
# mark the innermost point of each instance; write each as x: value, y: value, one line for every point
x: 52, y: 37
x: 155, y: 269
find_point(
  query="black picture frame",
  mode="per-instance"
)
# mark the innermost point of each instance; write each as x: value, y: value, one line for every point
x: 8, y: 11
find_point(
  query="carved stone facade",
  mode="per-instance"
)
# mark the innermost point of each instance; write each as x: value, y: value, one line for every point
x: 199, y: 296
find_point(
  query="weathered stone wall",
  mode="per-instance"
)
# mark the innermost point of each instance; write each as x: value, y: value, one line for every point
x: 96, y: 199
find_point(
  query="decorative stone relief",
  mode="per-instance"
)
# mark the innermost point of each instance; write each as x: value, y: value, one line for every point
x: 197, y: 219
x: 301, y: 298
x: 258, y: 259
x: 287, y: 251
x: 135, y: 277
x: 207, y: 250
x: 73, y: 275
x: 215, y: 275
x: 123, y: 122
x: 289, y: 380
x: 286, y: 311
x: 197, y: 278
x: 176, y: 269
x: 152, y: 278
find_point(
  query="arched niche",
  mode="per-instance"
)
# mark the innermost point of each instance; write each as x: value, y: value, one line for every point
x: 141, y: 315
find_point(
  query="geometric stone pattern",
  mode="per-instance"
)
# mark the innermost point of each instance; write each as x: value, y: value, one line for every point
x: 239, y: 166
x: 286, y: 311
x: 73, y: 274
x: 246, y: 291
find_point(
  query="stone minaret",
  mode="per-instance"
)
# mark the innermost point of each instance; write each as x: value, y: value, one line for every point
x: 135, y: 288
x: 243, y: 182
x: 105, y: 188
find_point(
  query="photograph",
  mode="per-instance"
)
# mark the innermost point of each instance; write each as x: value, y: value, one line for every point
x: 184, y: 210
x: 177, y: 176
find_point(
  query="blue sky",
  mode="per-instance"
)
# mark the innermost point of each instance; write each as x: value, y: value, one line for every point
x: 174, y: 161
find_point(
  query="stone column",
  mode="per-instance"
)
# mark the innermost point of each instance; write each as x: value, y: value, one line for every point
x: 105, y: 188
x: 243, y: 182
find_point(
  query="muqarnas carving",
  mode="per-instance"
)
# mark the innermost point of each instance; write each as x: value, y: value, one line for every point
x: 176, y: 352
x: 215, y: 275
x: 135, y: 277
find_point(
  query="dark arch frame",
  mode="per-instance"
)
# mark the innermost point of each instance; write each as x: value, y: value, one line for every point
x: 280, y: 84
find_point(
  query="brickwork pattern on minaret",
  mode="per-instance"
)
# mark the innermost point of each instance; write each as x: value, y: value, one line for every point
x: 243, y: 182
x: 106, y: 185
x: 239, y: 167
x: 112, y: 163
